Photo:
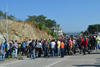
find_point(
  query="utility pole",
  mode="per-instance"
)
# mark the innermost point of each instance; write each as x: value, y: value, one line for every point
x: 7, y: 23
x: 97, y: 29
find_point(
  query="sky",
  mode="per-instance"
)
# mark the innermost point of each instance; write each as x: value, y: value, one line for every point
x: 72, y: 15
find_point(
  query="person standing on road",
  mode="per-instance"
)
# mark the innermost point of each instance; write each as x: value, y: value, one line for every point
x: 45, y: 48
x: 93, y: 42
x: 39, y: 46
x: 53, y: 47
x: 97, y: 42
x: 3, y: 50
x: 62, y: 48
x: 81, y: 44
x: 75, y: 48
x: 58, y: 47
x: 16, y: 47
x: 70, y: 46
x: 32, y: 49
x: 24, y: 47
x: 27, y: 47
x: 85, y: 45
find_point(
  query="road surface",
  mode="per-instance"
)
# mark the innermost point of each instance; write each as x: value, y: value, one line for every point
x: 91, y: 60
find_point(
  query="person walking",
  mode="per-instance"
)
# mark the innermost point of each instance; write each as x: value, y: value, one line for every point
x: 70, y: 46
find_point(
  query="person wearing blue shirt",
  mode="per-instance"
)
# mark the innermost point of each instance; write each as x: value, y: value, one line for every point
x: 24, y: 47
x: 3, y: 51
x: 24, y: 44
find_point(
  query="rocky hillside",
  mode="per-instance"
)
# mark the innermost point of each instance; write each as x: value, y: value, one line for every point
x: 21, y: 31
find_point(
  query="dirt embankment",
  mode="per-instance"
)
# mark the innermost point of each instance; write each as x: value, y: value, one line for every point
x: 21, y: 31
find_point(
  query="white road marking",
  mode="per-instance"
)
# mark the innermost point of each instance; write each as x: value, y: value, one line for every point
x: 54, y: 63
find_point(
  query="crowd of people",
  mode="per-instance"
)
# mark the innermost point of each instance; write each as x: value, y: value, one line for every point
x: 51, y: 47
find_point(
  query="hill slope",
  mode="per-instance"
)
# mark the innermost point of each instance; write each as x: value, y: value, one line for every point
x: 21, y: 31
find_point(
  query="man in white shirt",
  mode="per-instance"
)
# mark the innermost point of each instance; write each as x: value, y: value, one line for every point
x: 16, y: 48
x: 53, y: 47
x: 39, y: 45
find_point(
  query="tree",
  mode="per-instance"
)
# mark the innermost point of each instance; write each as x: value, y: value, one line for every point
x: 86, y: 32
x: 50, y: 23
x: 41, y: 25
x: 44, y: 24
x: 11, y: 17
x: 31, y: 18
x: 1, y: 14
x: 64, y: 34
x: 58, y: 25
x: 4, y: 15
x: 41, y: 18
x: 93, y: 28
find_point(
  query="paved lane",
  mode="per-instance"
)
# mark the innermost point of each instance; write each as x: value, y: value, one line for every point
x: 92, y: 60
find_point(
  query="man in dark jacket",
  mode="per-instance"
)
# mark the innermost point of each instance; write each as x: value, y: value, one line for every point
x: 32, y: 49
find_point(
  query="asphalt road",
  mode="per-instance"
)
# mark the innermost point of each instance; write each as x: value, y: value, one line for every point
x: 91, y: 60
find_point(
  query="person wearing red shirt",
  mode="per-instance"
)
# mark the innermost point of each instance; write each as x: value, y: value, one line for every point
x: 85, y: 45
x: 70, y: 46
x: 81, y: 44
x: 85, y: 42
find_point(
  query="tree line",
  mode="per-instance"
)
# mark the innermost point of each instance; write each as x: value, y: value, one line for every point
x: 92, y: 29
x: 3, y: 16
x: 43, y: 23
